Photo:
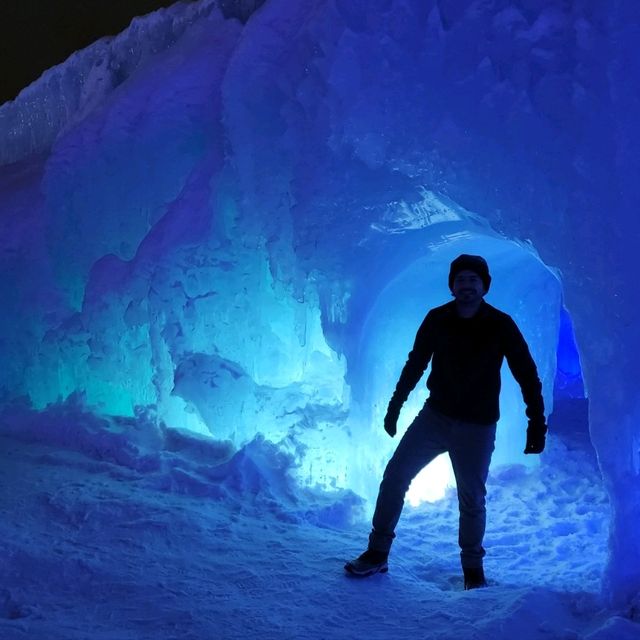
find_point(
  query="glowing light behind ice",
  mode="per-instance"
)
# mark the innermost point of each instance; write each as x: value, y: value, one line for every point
x: 521, y: 286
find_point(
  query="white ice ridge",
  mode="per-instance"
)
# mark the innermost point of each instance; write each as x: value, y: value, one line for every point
x: 432, y: 208
x: 67, y: 92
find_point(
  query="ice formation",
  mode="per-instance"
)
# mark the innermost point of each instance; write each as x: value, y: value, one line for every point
x: 236, y: 229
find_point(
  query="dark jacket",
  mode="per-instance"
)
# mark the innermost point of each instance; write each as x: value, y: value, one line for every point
x: 466, y: 355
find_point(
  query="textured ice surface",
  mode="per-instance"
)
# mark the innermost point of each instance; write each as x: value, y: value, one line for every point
x: 223, y: 241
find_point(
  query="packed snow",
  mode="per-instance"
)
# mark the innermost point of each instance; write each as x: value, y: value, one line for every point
x: 121, y: 530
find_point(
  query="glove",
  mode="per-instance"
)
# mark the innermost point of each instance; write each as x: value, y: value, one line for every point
x: 391, y: 419
x: 535, y: 437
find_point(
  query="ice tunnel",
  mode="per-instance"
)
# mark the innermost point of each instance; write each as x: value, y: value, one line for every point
x: 522, y: 286
x: 236, y: 228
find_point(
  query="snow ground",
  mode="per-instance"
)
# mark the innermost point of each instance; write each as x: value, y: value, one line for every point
x: 167, y: 536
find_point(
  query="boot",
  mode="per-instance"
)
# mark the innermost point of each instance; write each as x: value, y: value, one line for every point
x: 474, y: 578
x: 368, y: 563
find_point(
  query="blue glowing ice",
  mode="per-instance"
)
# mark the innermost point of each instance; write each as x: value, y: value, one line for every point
x: 237, y: 229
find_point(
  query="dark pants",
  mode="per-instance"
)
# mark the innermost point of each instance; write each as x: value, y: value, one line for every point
x: 470, y: 447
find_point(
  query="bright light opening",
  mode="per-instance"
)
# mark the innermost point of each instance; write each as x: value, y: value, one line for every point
x: 522, y: 286
x: 432, y: 482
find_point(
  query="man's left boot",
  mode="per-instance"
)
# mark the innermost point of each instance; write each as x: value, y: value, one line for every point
x: 474, y: 578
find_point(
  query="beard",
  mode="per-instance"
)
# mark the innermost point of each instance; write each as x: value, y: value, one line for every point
x: 468, y: 296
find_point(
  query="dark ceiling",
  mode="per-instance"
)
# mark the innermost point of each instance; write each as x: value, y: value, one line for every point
x: 38, y: 34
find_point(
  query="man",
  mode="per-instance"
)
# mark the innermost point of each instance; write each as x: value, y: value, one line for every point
x: 466, y: 341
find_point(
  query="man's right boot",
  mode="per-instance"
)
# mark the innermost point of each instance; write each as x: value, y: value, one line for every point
x: 368, y: 563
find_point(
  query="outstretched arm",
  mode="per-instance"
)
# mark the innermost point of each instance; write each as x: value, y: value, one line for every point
x: 525, y: 372
x: 412, y: 371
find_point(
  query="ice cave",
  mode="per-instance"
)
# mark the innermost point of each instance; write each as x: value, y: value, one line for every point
x: 221, y: 229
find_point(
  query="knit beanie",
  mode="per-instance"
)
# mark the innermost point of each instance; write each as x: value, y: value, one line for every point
x: 477, y: 264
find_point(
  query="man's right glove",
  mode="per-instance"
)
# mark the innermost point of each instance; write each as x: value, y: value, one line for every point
x: 536, y: 432
x: 391, y: 419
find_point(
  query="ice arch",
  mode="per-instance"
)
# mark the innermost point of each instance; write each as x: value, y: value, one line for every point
x: 522, y: 286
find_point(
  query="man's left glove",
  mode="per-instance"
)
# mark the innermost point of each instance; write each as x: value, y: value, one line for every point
x: 536, y: 432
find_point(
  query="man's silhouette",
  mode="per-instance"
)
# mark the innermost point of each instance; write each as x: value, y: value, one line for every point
x: 466, y: 341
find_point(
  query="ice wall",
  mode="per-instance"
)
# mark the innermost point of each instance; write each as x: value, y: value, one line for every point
x: 68, y: 92
x: 209, y: 241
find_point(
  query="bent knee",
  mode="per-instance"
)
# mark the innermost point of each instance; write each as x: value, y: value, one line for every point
x: 396, y: 480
